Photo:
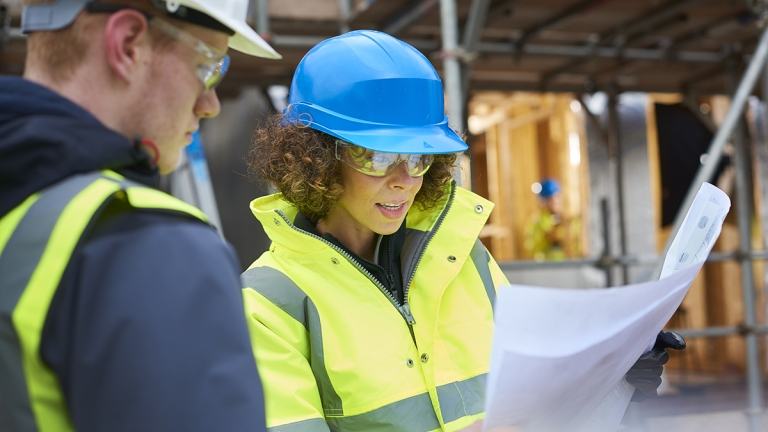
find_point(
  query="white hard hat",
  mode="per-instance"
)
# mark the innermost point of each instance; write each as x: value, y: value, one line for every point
x: 232, y: 14
x: 225, y: 15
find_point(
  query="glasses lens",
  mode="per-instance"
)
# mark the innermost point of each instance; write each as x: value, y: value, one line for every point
x: 366, y: 161
x: 212, y: 72
x: 418, y: 164
x: 379, y: 164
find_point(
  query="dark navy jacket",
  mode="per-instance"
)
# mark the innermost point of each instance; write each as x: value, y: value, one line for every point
x: 146, y: 331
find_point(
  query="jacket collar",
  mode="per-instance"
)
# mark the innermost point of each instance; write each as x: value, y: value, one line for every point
x: 45, y: 138
x: 460, y: 213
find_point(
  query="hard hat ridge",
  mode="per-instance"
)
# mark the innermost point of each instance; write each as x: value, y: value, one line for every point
x: 371, y: 89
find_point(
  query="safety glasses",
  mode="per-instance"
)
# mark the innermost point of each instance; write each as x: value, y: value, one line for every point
x: 210, y: 71
x: 379, y: 164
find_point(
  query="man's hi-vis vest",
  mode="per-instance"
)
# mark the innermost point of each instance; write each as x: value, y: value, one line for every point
x: 37, y: 240
x: 334, y: 350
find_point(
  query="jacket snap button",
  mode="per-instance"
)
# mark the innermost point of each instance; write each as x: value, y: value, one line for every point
x: 424, y: 358
x: 451, y: 258
x: 334, y: 260
x: 409, y: 363
x: 479, y: 208
x: 277, y: 222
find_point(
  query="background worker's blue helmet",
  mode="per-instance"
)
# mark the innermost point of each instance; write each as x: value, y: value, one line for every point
x: 549, y: 187
x: 373, y: 90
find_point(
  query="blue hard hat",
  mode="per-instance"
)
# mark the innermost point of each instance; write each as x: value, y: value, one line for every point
x: 373, y: 90
x: 549, y: 187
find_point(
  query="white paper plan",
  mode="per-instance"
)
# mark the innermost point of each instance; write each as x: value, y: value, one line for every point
x: 559, y: 356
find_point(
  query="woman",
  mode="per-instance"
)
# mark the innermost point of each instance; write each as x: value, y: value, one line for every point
x: 373, y: 308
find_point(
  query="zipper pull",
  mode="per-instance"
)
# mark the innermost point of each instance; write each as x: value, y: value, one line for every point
x: 391, y: 279
x: 406, y: 311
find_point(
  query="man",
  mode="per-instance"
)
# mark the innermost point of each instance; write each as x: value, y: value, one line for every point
x: 120, y: 309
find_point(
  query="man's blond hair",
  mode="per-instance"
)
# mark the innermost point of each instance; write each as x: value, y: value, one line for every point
x: 58, y: 53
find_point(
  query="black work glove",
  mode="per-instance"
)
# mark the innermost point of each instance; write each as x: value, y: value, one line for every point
x: 645, y: 374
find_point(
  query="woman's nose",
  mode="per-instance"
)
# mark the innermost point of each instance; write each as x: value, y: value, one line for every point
x: 401, y: 177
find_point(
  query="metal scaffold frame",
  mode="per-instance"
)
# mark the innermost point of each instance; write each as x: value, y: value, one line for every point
x: 750, y: 329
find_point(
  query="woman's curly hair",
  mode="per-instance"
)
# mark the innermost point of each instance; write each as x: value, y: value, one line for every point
x: 300, y: 162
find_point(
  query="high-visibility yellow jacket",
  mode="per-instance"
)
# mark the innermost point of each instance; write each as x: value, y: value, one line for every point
x: 334, y: 350
x: 551, y: 237
x: 37, y: 239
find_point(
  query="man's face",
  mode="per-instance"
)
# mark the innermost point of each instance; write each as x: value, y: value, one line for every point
x: 554, y: 203
x: 173, y: 99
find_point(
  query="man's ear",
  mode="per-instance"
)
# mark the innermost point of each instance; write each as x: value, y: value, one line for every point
x: 126, y: 36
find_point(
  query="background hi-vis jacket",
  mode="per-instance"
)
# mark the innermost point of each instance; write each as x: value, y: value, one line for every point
x: 334, y: 349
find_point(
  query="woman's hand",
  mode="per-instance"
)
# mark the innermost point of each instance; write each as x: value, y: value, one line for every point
x: 645, y: 374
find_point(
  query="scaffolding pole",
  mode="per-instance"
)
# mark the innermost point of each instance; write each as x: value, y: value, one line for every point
x: 345, y: 12
x: 744, y: 216
x: 452, y: 80
x: 473, y: 29
x: 615, y: 154
x: 451, y: 67
x: 715, y: 150
x: 262, y: 18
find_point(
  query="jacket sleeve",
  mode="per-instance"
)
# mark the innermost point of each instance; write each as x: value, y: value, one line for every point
x: 491, y: 275
x: 274, y: 309
x: 146, y: 333
x: 497, y: 275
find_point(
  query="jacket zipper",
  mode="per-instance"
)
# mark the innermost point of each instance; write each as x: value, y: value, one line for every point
x: 404, y: 309
x: 429, y: 239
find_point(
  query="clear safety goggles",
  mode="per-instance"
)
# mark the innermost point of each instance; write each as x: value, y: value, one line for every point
x: 379, y: 164
x: 210, y: 71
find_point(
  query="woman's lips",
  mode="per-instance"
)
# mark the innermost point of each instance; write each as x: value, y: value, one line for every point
x: 392, y: 211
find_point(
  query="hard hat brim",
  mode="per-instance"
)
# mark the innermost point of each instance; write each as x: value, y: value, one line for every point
x: 437, y: 139
x: 417, y: 139
x: 245, y: 39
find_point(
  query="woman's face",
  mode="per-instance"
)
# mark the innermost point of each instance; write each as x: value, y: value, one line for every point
x: 371, y: 205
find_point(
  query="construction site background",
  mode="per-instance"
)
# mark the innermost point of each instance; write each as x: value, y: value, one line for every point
x: 577, y: 90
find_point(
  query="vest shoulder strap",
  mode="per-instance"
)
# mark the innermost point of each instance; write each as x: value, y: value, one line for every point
x: 37, y: 240
x: 144, y: 197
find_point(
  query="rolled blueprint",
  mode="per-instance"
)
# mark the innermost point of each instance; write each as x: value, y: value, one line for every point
x: 559, y: 356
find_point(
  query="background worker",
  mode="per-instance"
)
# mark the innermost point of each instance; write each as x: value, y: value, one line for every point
x: 551, y: 234
x: 373, y: 308
x: 120, y: 309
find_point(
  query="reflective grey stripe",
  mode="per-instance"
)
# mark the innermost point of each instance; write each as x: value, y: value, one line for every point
x: 414, y: 414
x: 285, y: 294
x: 311, y: 425
x: 462, y: 398
x: 18, y: 260
x: 481, y: 258
x: 278, y: 289
x: 331, y: 400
